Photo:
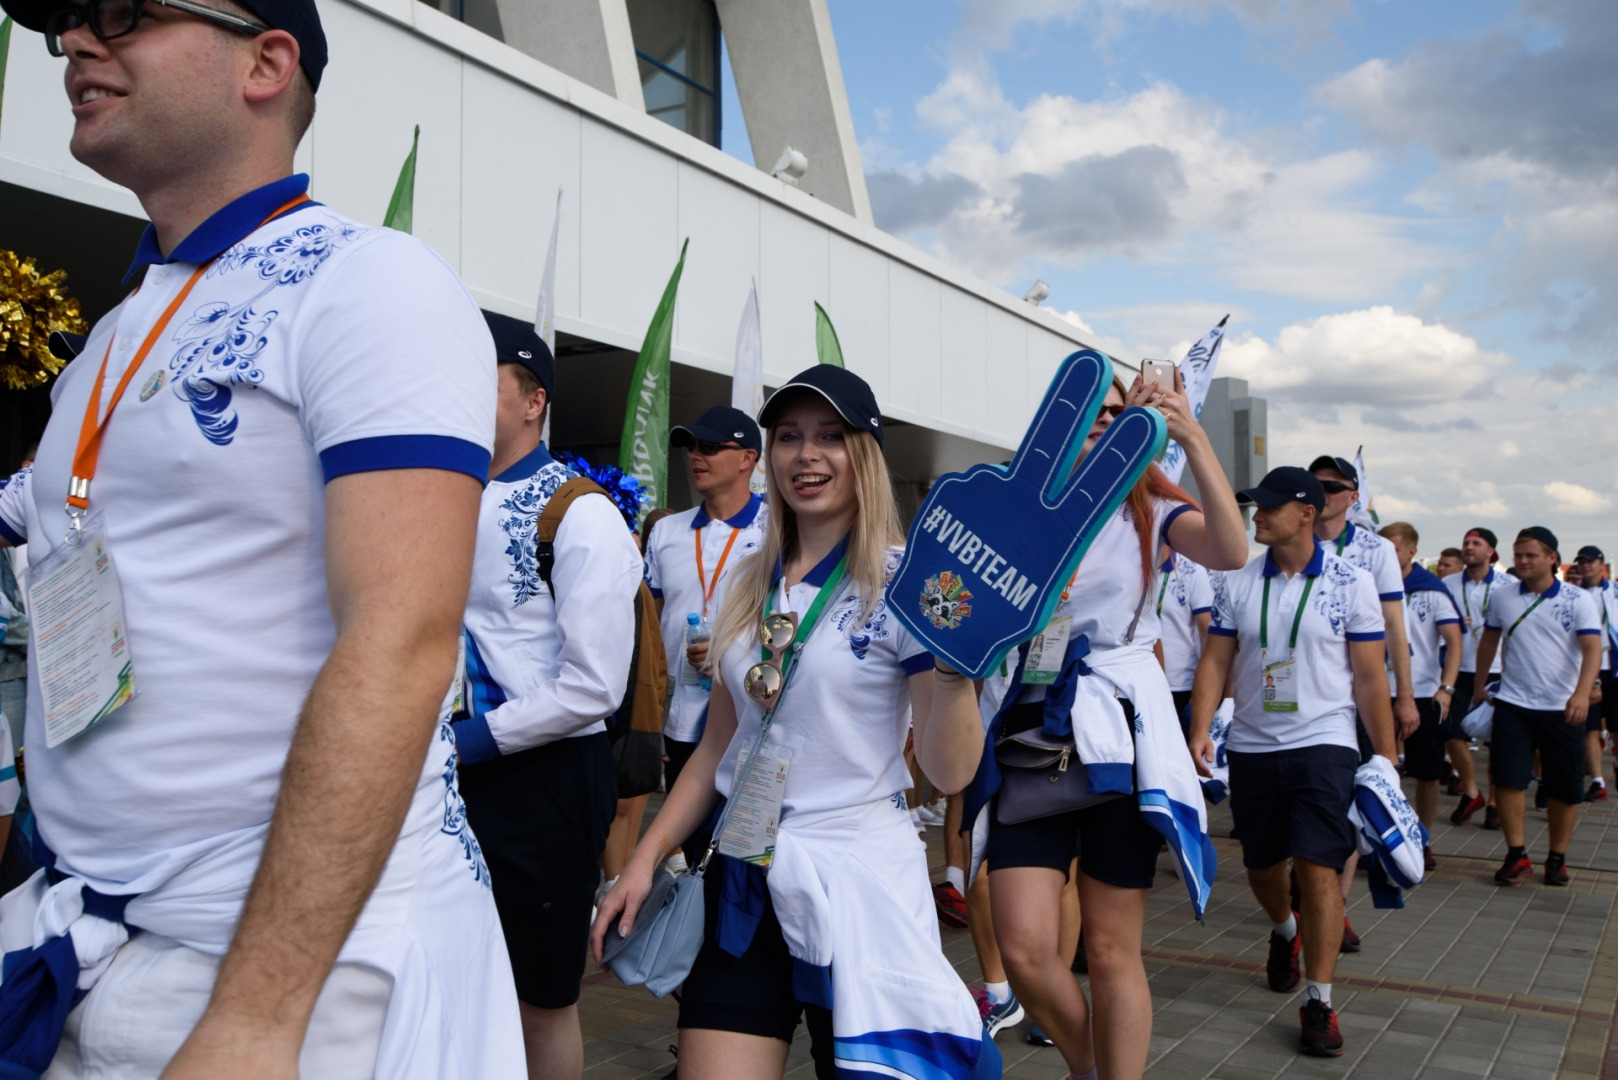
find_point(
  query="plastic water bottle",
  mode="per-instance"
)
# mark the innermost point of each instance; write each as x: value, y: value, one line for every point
x: 695, y: 634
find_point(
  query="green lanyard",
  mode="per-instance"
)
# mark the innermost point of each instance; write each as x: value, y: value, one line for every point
x: 806, y: 625
x: 1525, y: 615
x: 1483, y: 609
x: 1297, y: 616
x: 1342, y: 537
x: 1164, y: 588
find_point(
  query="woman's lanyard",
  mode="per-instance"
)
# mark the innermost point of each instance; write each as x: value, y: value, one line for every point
x: 708, y: 587
x: 88, y: 454
x: 1297, y: 616
x: 806, y: 626
x: 1174, y: 568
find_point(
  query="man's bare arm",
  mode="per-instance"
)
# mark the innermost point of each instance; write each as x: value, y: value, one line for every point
x: 1405, y: 716
x: 1371, y: 695
x: 398, y: 565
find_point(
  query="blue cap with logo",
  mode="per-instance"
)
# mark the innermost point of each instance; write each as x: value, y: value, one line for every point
x: 516, y: 342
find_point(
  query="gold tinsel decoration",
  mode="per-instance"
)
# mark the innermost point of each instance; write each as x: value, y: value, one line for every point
x: 31, y: 306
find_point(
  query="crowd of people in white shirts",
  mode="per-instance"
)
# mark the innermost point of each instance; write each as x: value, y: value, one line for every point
x: 352, y: 807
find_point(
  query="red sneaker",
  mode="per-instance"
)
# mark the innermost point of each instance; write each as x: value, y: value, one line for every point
x: 951, y: 905
x: 1463, y: 813
x: 1491, y: 819
x: 1282, y: 965
x: 1351, y: 940
x: 1513, y: 871
x: 1320, y: 1035
x: 1556, y: 869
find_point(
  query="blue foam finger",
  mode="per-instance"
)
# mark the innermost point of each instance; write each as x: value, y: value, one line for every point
x: 990, y: 550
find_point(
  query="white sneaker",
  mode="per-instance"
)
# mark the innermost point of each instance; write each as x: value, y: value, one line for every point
x: 602, y: 890
x: 932, y: 817
x: 675, y: 864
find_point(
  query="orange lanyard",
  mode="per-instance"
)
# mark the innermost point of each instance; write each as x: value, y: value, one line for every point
x: 88, y: 454
x: 706, y: 586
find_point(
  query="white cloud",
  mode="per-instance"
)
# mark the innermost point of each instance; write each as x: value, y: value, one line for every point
x: 1576, y: 498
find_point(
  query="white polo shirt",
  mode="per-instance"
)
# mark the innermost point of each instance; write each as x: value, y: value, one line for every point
x: 540, y: 669
x: 314, y: 347
x: 1343, y: 607
x: 1426, y: 610
x: 1183, y: 592
x: 1474, y: 598
x: 1540, y: 668
x: 846, y: 710
x: 1606, y: 597
x: 672, y: 574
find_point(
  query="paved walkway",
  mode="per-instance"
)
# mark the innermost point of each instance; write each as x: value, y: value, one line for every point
x: 1469, y: 980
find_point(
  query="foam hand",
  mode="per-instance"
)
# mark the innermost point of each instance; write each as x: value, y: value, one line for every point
x: 991, y: 549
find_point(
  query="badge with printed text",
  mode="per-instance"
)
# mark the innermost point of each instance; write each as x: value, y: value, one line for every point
x: 1047, y: 651
x: 991, y: 548
x: 1280, y: 684
x: 756, y: 814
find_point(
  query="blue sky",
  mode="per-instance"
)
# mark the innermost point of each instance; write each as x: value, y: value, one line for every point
x: 1410, y: 210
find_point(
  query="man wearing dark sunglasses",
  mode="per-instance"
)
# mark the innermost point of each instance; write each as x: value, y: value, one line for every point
x: 267, y: 834
x: 1376, y: 556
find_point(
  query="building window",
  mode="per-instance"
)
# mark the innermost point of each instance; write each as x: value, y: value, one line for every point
x: 481, y: 15
x: 677, y: 46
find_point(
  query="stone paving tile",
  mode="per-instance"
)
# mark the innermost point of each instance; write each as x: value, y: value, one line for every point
x: 1542, y: 965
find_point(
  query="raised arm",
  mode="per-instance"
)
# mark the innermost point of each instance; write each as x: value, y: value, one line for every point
x: 1216, y: 537
x: 398, y: 558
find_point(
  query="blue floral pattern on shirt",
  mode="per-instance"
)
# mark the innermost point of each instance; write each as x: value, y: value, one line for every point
x: 455, y: 811
x: 521, y: 526
x: 220, y: 344
x: 1334, y: 594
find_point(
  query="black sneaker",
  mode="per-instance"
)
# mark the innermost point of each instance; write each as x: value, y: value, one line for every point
x: 1513, y: 871
x: 1282, y: 965
x: 1597, y: 792
x: 1491, y: 819
x: 1556, y: 869
x: 1466, y: 808
x: 1320, y: 1035
x: 1351, y: 940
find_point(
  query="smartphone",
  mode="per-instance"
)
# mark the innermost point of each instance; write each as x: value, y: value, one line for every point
x: 1158, y: 371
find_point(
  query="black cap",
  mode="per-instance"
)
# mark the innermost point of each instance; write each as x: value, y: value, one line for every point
x: 849, y: 394
x: 65, y: 346
x: 1590, y: 553
x: 1486, y: 535
x: 1326, y: 461
x: 720, y: 424
x: 1283, y: 485
x: 516, y: 342
x: 1543, y: 535
x: 297, y: 17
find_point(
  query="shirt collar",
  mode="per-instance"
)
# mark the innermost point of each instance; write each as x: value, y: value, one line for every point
x: 822, y: 570
x: 228, y: 225
x: 1168, y: 565
x: 526, y: 466
x: 1549, y: 594
x: 741, y: 519
x: 1317, y: 562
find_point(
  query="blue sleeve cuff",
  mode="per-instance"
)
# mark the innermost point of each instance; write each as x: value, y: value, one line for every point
x: 406, y: 452
x: 473, y: 740
x: 1447, y: 622
x: 1202, y: 611
x: 1221, y: 631
x: 915, y: 665
x: 1385, y: 597
x: 1377, y: 635
x: 1582, y: 633
x: 13, y: 537
x: 1163, y: 535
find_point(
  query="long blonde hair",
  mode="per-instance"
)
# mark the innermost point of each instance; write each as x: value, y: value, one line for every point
x: 876, y: 529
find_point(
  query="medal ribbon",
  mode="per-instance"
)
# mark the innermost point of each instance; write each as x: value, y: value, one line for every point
x: 1297, y: 616
x: 707, y: 587
x: 88, y: 454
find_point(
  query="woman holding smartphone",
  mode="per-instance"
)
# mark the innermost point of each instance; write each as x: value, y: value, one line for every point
x: 1117, y: 686
x: 845, y: 904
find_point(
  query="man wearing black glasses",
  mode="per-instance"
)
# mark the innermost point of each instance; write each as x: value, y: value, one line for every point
x: 1376, y: 556
x: 278, y: 441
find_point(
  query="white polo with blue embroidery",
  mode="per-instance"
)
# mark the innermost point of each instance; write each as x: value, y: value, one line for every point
x: 1539, y: 646
x: 1183, y: 593
x: 1474, y: 598
x: 313, y: 347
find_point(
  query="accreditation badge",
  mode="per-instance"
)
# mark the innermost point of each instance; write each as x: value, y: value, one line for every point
x: 1046, y: 652
x: 756, y: 812
x: 1280, y: 684
x: 80, y: 646
x: 457, y: 686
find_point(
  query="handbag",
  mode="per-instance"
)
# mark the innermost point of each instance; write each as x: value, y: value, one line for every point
x: 667, y: 936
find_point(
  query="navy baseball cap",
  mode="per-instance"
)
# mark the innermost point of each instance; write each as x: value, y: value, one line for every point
x: 849, y: 394
x: 297, y: 17
x: 516, y: 342
x: 1283, y: 485
x: 1590, y: 553
x: 1326, y: 461
x: 1543, y: 535
x: 720, y: 424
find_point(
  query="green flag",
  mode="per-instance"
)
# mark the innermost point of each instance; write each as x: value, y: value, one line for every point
x: 5, y: 47
x: 643, y: 450
x: 826, y: 344
x: 402, y: 207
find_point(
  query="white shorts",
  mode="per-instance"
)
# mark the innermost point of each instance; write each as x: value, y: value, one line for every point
x: 140, y: 1012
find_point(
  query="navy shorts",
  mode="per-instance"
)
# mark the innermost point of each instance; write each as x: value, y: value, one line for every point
x: 1182, y: 709
x: 678, y: 754
x: 1605, y: 712
x: 1459, y: 707
x: 1112, y: 840
x: 1518, y: 732
x: 1293, y: 803
x: 1424, y: 749
x: 542, y: 817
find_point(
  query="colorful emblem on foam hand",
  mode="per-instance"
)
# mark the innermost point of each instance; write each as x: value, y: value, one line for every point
x: 945, y: 600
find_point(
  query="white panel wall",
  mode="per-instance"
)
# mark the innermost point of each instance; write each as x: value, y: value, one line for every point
x: 501, y: 131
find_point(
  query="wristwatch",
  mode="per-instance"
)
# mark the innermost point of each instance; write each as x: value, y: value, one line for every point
x: 1450, y: 690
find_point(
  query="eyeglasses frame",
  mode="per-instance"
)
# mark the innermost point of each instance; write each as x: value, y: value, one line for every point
x: 87, y: 15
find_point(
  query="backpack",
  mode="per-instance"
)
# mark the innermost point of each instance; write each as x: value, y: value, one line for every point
x: 638, y: 723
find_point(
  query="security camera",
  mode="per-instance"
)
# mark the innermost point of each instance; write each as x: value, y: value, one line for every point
x: 790, y: 167
x: 1037, y: 292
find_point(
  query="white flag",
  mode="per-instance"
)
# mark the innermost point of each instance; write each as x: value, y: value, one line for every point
x: 545, y: 313
x: 1197, y: 372
x: 747, y: 381
x: 1363, y: 512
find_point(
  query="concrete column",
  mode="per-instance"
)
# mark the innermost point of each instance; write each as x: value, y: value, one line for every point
x: 587, y: 39
x: 791, y: 88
